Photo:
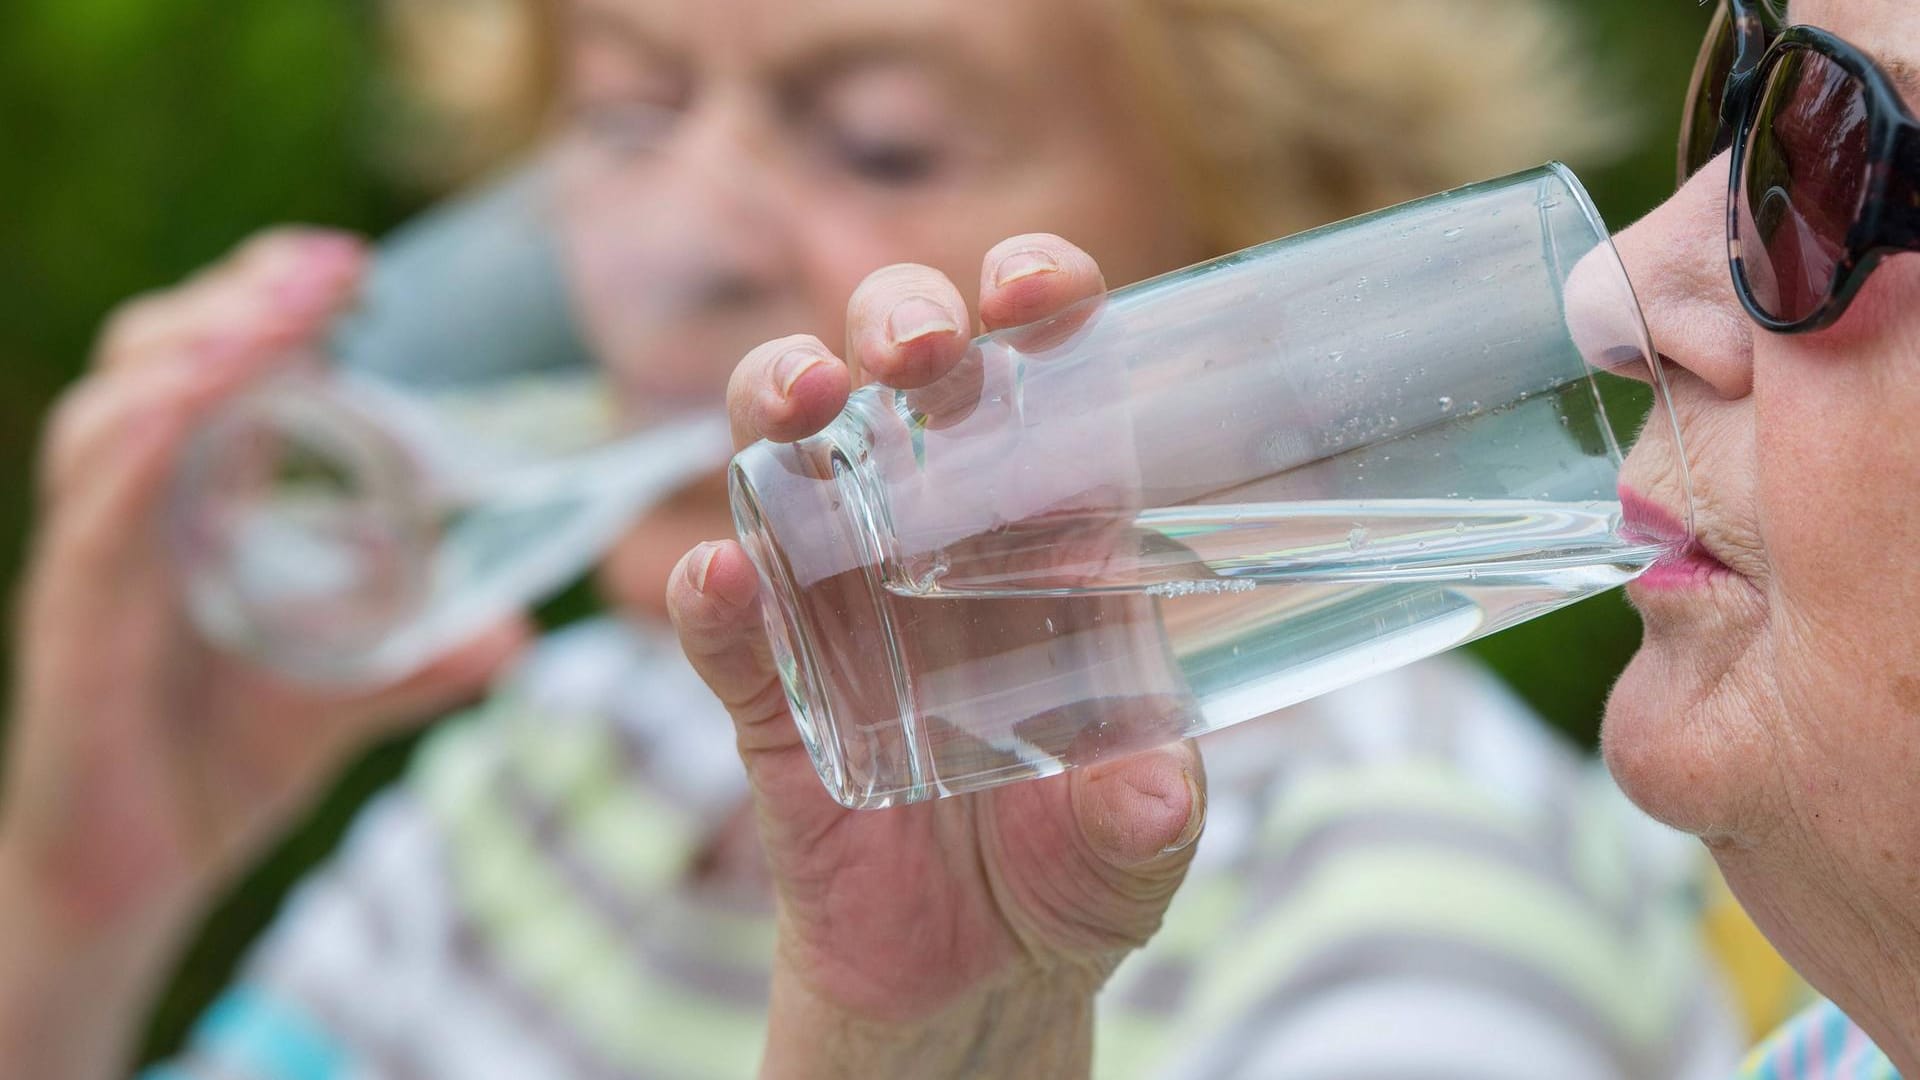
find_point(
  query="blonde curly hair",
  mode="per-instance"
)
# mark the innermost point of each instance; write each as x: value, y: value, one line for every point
x: 1278, y: 114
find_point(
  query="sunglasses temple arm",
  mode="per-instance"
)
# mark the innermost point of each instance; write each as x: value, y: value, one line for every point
x: 1903, y: 193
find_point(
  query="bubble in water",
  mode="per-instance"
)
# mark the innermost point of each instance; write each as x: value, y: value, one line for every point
x: 1460, y: 527
x: 1170, y: 589
x: 1446, y: 403
x: 1357, y: 538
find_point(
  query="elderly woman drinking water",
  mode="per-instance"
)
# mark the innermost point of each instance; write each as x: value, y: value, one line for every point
x: 1771, y: 710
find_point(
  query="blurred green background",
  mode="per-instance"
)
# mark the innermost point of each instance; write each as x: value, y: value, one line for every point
x: 140, y: 139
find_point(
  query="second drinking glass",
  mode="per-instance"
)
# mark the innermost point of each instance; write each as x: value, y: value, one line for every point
x: 452, y: 455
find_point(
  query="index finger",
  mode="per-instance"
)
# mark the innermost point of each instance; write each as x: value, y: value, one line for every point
x: 785, y: 390
x: 1034, y: 276
x: 1024, y: 279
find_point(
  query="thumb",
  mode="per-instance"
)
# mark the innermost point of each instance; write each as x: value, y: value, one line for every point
x: 1142, y: 814
x: 711, y: 597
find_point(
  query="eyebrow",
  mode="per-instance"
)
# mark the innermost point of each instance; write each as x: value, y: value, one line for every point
x: 596, y: 18
x: 1904, y: 72
x: 807, y: 69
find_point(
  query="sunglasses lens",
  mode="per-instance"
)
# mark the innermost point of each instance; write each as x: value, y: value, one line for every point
x: 1700, y: 124
x: 1803, y: 179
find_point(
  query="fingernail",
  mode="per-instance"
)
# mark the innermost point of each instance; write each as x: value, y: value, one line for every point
x: 305, y: 291
x: 1196, y: 818
x: 336, y: 249
x: 791, y: 366
x: 1024, y: 264
x: 314, y: 273
x: 917, y: 317
x: 701, y: 565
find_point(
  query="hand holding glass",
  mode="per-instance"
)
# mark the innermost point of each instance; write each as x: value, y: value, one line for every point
x: 456, y: 456
x: 1205, y: 497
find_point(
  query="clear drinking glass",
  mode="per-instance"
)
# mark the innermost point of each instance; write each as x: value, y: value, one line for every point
x: 1212, y: 494
x: 453, y: 456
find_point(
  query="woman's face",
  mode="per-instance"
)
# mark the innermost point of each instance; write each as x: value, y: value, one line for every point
x: 1774, y: 707
x: 736, y: 167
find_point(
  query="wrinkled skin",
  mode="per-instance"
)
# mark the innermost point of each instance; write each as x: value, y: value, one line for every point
x: 933, y: 915
x: 1774, y: 704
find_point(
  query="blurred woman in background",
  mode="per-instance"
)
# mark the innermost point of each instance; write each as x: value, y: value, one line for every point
x: 570, y: 881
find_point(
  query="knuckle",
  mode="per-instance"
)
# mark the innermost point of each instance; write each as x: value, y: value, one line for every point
x: 886, y: 283
x: 779, y: 347
x: 129, y: 322
x: 65, y: 427
x: 761, y: 701
x: 1046, y: 241
x: 756, y: 368
x: 275, y: 250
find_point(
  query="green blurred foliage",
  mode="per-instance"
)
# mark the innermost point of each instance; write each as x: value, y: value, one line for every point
x: 140, y: 139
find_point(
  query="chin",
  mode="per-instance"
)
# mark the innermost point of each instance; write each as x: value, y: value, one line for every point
x: 1665, y: 748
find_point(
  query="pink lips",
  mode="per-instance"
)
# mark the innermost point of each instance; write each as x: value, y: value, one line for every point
x: 1685, y: 564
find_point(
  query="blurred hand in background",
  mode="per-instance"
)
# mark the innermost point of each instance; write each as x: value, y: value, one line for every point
x: 144, y: 767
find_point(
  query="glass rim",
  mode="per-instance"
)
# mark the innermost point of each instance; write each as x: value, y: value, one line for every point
x: 1649, y: 355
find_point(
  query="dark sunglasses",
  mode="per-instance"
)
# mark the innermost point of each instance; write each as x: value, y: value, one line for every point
x: 1826, y: 163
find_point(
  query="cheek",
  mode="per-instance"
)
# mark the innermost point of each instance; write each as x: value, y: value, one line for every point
x: 841, y: 237
x: 1838, y: 466
x: 601, y: 266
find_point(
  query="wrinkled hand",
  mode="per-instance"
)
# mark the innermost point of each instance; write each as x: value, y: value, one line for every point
x: 954, y: 925
x: 144, y: 765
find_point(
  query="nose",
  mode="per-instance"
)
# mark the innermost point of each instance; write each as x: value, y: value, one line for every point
x: 1676, y: 258
x: 703, y: 215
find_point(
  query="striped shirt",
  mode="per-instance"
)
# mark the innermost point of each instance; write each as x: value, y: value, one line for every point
x: 1819, y: 1044
x: 1406, y: 878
